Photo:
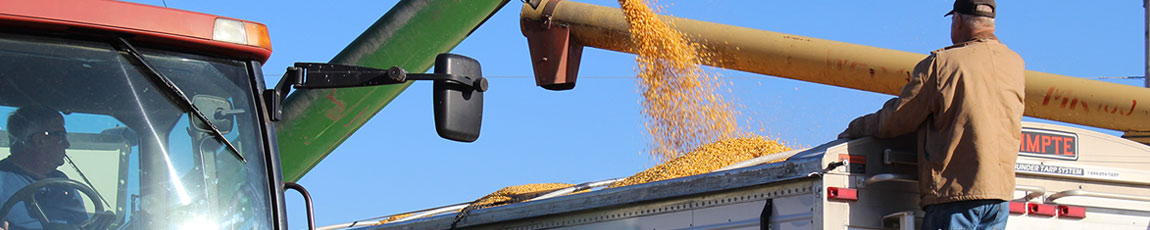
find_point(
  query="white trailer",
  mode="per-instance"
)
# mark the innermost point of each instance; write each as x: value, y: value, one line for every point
x: 1067, y: 178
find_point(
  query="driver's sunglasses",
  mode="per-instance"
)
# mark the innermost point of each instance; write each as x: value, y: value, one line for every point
x: 58, y: 134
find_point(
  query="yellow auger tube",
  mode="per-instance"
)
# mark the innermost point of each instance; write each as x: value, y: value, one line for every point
x: 1049, y: 96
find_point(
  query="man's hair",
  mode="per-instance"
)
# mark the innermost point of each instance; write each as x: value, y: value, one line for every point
x: 24, y: 121
x: 979, y: 22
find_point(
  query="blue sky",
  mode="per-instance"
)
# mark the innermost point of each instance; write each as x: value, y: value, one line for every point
x: 396, y: 163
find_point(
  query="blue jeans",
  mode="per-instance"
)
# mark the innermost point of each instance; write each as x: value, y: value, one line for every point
x: 973, y: 214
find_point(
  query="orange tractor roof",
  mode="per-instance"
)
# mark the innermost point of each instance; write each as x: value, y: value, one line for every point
x: 147, y: 24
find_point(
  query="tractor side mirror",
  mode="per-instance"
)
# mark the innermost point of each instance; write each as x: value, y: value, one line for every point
x: 458, y: 108
x: 457, y: 89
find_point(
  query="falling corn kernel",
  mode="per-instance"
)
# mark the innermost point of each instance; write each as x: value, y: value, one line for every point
x: 681, y: 104
x: 679, y: 100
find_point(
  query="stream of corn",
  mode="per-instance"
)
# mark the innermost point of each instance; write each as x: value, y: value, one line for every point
x: 694, y: 128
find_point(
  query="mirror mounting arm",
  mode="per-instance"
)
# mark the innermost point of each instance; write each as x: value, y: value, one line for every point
x: 325, y: 76
x: 274, y: 97
x: 476, y: 83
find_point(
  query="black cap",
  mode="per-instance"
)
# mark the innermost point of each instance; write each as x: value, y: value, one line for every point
x: 970, y: 7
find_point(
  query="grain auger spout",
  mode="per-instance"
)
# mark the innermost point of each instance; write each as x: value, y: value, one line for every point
x: 558, y: 30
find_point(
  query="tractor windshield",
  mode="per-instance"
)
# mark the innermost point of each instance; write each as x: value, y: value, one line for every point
x: 89, y: 138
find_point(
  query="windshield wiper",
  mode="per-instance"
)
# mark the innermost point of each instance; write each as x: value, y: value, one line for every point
x: 177, y: 94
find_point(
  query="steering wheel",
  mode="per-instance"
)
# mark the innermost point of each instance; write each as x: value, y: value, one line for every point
x: 27, y: 195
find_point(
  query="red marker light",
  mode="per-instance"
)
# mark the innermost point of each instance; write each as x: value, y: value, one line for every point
x: 844, y: 194
x: 1017, y: 207
x: 1042, y: 209
x: 1071, y: 212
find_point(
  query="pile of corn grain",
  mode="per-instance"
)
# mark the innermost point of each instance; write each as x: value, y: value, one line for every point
x: 393, y: 218
x: 707, y: 158
x: 508, y: 195
x: 504, y: 196
x: 517, y: 193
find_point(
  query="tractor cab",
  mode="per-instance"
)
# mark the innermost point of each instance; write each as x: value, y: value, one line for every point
x: 139, y: 156
x: 152, y: 117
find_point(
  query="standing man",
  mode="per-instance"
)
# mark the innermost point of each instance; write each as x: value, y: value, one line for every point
x: 38, y: 141
x: 965, y: 104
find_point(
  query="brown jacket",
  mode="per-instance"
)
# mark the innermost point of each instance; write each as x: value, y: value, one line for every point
x: 965, y: 103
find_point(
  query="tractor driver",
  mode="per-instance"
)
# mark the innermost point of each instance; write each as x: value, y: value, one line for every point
x: 38, y: 140
x: 964, y: 102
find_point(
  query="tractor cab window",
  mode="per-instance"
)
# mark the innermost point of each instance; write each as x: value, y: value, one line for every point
x: 90, y: 138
